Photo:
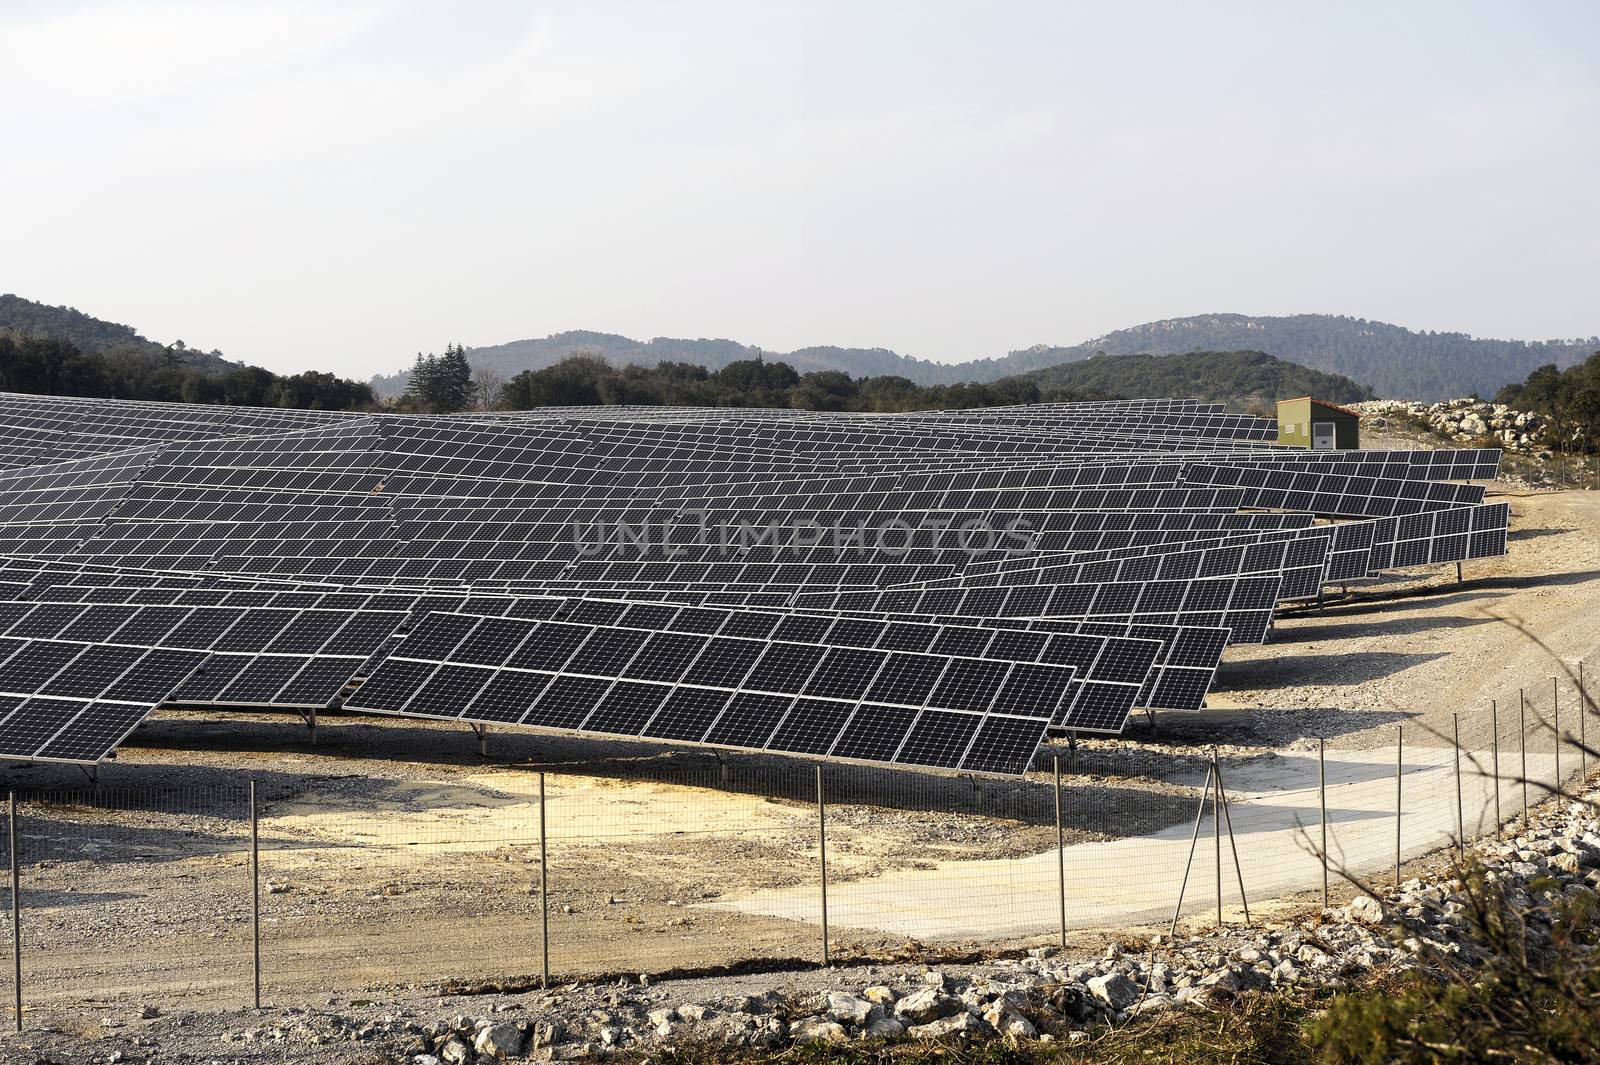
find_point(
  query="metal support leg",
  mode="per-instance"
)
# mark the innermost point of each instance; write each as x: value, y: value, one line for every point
x: 1399, y: 767
x: 1322, y: 798
x: 1522, y: 747
x: 1061, y: 855
x: 1461, y: 823
x: 1216, y: 831
x: 1555, y: 716
x: 1238, y: 870
x: 544, y: 894
x: 1194, y: 844
x: 255, y: 895
x: 16, y: 911
x: 822, y: 850
x: 1494, y: 726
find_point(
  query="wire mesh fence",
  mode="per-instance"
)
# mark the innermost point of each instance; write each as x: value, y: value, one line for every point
x: 512, y: 877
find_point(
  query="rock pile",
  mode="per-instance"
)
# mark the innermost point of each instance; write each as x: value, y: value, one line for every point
x: 1467, y: 421
x: 1046, y: 995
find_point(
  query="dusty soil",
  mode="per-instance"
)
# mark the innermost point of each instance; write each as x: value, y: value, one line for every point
x: 393, y: 857
x: 1421, y: 647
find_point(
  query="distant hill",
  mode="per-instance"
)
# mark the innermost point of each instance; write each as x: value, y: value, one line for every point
x: 1243, y: 379
x: 95, y: 336
x: 511, y: 359
x: 1393, y: 360
x: 60, y: 351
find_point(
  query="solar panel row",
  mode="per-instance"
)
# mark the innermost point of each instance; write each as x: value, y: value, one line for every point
x: 288, y: 558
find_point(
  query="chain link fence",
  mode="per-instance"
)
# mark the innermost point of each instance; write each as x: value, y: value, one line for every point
x: 512, y: 877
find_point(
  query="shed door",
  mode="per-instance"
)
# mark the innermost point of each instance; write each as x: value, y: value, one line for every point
x: 1322, y: 436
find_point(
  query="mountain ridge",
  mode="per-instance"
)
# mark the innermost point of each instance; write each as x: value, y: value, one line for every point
x: 1392, y: 359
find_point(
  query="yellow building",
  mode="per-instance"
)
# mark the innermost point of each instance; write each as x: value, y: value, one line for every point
x: 1311, y: 423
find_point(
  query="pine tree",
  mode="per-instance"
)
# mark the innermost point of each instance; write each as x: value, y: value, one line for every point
x: 424, y: 377
x: 453, y: 385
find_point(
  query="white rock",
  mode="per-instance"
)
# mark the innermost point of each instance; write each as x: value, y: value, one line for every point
x: 1151, y: 1004
x: 455, y: 1051
x: 1114, y: 989
x: 1567, y: 863
x: 1003, y: 1018
x: 499, y: 1041
x: 925, y: 1006
x: 818, y: 1030
x: 962, y: 1024
x: 849, y: 1009
x: 1365, y: 909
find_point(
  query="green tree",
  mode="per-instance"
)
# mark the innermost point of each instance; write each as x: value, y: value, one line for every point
x: 454, y: 383
x: 823, y: 390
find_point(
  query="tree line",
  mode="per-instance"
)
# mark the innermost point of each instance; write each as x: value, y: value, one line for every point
x: 54, y: 366
x: 583, y: 380
x: 443, y: 384
x: 1569, y: 398
x: 1245, y: 379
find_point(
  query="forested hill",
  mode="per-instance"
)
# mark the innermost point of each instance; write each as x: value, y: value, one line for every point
x: 95, y: 336
x: 1393, y: 360
x: 508, y: 360
x: 1243, y: 379
x: 59, y: 351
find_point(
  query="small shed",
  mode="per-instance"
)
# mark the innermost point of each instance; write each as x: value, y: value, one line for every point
x: 1311, y: 423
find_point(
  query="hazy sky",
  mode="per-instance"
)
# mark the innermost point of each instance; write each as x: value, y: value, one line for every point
x: 336, y: 185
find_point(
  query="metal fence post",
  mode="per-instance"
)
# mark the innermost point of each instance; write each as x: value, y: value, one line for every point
x: 1494, y: 727
x: 1522, y: 746
x: 1583, y: 719
x: 822, y: 850
x: 255, y: 894
x: 1322, y: 799
x: 1061, y: 855
x: 1555, y: 713
x: 16, y: 910
x: 1461, y: 821
x: 1216, y: 830
x: 1399, y: 766
x: 544, y: 895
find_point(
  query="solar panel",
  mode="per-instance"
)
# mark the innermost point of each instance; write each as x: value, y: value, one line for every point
x: 292, y: 554
x: 753, y: 694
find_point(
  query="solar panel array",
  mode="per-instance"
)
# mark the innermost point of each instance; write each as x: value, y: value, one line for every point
x: 938, y: 589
